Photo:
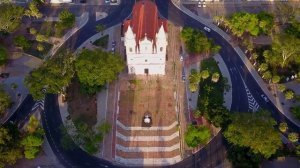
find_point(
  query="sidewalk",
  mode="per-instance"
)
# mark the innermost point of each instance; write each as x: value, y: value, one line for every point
x: 225, y: 73
x: 243, y: 57
x: 80, y: 22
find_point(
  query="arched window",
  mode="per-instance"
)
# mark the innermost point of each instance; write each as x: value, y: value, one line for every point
x: 161, y: 49
x: 130, y: 49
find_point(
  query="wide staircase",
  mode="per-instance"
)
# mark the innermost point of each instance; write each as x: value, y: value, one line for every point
x: 147, y: 145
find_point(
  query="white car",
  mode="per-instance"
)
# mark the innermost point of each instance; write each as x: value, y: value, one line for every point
x: 204, y: 4
x: 207, y: 29
x: 264, y: 97
x: 181, y: 58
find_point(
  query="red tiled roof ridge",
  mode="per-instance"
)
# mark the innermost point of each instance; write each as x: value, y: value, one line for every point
x: 145, y: 22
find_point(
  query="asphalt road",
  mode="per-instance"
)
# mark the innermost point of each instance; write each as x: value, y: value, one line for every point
x: 213, y: 154
x: 239, y: 73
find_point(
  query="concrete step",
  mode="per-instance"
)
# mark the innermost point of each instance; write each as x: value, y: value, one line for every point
x: 154, y: 128
x: 147, y: 132
x: 149, y: 161
x: 148, y: 149
x: 147, y: 143
x: 147, y: 138
x: 143, y: 155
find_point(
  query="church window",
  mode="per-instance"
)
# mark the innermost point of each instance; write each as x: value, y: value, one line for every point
x: 130, y: 49
x: 161, y: 49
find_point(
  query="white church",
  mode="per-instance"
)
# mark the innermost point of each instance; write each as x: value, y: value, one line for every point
x: 145, y: 39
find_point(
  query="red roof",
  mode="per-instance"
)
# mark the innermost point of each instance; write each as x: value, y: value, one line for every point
x: 145, y: 20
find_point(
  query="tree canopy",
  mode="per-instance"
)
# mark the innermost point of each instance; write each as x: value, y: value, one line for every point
x: 10, y: 150
x: 254, y: 130
x: 95, y: 68
x: 10, y: 17
x: 54, y: 75
x: 66, y: 18
x: 3, y: 55
x: 196, y: 42
x: 285, y: 49
x: 33, y: 10
x: 5, y: 101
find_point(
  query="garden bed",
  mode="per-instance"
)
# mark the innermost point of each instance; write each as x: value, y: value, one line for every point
x: 102, y: 42
x: 40, y: 54
x: 49, y: 29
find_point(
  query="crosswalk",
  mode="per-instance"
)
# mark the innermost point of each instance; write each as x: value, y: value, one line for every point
x: 38, y: 104
x: 253, y: 105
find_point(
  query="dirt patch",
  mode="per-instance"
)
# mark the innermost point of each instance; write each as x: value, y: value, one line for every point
x: 81, y: 106
x: 154, y: 95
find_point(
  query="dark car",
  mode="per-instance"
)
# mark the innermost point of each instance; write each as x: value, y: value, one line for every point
x: 82, y: 1
x: 4, y: 75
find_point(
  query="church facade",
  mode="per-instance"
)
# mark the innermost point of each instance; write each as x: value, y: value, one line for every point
x: 145, y: 39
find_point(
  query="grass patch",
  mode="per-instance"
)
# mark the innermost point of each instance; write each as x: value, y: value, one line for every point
x: 102, y: 42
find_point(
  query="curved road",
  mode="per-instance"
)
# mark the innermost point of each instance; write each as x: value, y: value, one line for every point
x: 238, y: 72
x: 205, y: 158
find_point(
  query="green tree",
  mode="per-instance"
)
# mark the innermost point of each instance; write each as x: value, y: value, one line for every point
x: 32, y: 124
x: 10, y: 17
x: 40, y: 47
x: 263, y: 67
x: 10, y: 150
x: 281, y: 87
x: 205, y: 74
x: 197, y: 43
x: 33, y: 31
x: 215, y: 77
x: 285, y: 49
x: 32, y: 144
x: 5, y: 101
x: 242, y: 22
x: 3, y: 55
x: 41, y: 38
x: 67, y: 19
x: 266, y: 22
x: 275, y: 79
x: 197, y: 135
x: 283, y: 127
x: 289, y: 94
x: 21, y: 41
x: 293, y: 137
x: 267, y: 75
x: 194, y: 79
x: 254, y: 130
x: 33, y: 11
x: 54, y: 75
x: 103, y: 67
x: 243, y: 157
x: 284, y: 12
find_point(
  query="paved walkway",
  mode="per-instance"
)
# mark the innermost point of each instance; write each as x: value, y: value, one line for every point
x: 225, y: 73
x: 251, y: 69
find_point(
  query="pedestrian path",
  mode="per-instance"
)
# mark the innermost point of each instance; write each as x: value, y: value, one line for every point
x: 225, y: 73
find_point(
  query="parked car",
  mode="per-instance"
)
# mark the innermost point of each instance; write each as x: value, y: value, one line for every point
x: 82, y: 1
x: 264, y: 97
x: 114, y: 43
x: 107, y: 1
x: 181, y: 58
x: 207, y: 29
x: 4, y: 75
